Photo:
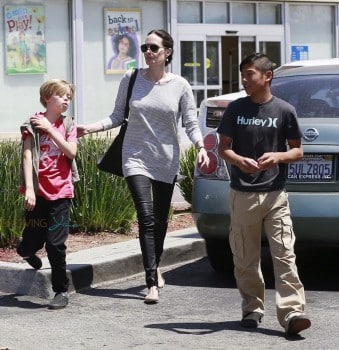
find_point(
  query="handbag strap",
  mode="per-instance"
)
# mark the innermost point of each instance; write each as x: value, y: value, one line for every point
x: 129, y: 92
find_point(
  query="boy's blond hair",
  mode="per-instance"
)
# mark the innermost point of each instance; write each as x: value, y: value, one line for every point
x: 58, y: 87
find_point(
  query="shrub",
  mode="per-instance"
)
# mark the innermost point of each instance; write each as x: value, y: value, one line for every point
x: 102, y: 201
x: 11, y: 213
x: 187, y: 165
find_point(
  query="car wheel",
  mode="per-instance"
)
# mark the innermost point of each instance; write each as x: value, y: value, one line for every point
x: 219, y: 254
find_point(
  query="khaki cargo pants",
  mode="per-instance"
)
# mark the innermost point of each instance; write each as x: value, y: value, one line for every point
x: 252, y: 212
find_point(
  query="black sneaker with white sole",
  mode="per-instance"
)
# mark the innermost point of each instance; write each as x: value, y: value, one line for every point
x: 251, y: 320
x: 60, y: 301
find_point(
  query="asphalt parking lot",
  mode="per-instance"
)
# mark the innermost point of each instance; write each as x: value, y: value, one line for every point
x: 198, y: 309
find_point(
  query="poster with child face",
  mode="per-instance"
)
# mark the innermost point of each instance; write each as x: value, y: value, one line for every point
x: 25, y: 39
x: 122, y: 38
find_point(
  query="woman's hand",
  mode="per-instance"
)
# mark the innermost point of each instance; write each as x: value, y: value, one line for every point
x: 82, y: 130
x: 203, y: 158
x: 89, y: 128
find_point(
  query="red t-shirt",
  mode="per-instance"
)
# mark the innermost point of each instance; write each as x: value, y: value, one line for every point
x: 55, y: 175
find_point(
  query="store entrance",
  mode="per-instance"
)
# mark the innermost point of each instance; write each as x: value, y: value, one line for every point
x: 234, y: 49
x: 230, y: 65
x: 211, y: 64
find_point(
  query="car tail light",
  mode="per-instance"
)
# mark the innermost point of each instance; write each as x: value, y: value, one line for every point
x: 210, y: 142
x: 217, y: 167
x: 212, y: 166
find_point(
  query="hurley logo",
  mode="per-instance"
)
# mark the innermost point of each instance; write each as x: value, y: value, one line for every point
x: 269, y: 122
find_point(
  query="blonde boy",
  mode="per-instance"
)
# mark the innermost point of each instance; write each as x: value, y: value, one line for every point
x: 48, y: 150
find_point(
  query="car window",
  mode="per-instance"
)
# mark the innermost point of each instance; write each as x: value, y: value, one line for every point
x: 313, y: 96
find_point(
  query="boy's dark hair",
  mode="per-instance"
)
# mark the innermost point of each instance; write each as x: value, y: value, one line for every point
x: 261, y: 61
x: 167, y: 41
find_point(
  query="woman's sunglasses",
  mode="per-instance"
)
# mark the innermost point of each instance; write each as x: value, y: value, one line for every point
x: 154, y: 48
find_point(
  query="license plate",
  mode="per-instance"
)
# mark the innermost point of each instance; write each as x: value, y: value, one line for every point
x: 312, y: 167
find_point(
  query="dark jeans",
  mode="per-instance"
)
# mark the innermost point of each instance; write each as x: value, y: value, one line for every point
x: 152, y: 200
x: 48, y: 224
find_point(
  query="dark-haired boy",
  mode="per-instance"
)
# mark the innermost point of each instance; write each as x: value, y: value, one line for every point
x: 253, y: 136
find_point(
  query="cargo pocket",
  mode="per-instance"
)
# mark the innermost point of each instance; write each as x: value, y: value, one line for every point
x: 236, y: 242
x: 287, y: 234
x: 231, y: 200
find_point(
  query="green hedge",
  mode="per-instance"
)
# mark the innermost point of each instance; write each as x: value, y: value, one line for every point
x: 102, y: 202
x: 187, y: 165
x: 11, y: 213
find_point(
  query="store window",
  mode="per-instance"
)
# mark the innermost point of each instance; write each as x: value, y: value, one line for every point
x: 247, y: 47
x: 243, y: 13
x: 216, y: 12
x: 192, y: 61
x: 189, y: 12
x: 312, y: 28
x: 220, y: 12
x: 212, y: 63
x: 269, y: 14
x: 192, y: 66
x: 273, y: 50
x: 198, y: 96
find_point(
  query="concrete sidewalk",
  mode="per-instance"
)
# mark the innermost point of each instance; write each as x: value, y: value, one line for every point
x: 92, y: 267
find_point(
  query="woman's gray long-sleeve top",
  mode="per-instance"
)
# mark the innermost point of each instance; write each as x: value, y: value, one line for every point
x: 151, y: 144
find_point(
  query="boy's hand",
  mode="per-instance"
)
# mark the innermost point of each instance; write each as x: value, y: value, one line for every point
x: 268, y: 160
x: 248, y: 165
x: 30, y: 200
x: 40, y: 122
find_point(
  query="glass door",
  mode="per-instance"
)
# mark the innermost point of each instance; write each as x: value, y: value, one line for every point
x: 269, y: 46
x: 273, y: 50
x: 193, y: 66
x: 211, y: 64
x: 234, y: 49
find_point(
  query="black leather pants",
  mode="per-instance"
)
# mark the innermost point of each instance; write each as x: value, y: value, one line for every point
x: 152, y: 200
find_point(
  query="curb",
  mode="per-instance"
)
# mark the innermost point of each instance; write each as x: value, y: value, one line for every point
x: 92, y: 267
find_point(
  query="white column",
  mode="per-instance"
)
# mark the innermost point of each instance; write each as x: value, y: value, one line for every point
x: 78, y: 59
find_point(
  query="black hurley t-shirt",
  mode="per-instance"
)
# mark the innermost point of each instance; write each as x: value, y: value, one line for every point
x: 256, y: 129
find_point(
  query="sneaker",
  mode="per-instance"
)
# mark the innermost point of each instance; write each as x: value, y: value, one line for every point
x: 251, y: 320
x: 34, y: 261
x: 298, y: 324
x: 59, y: 302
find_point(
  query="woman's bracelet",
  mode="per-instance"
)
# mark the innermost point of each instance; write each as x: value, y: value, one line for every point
x: 199, y: 148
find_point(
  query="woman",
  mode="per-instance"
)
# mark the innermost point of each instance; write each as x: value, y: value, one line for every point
x: 151, y: 149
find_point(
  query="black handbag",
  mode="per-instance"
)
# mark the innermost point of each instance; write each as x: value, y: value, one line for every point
x: 111, y: 161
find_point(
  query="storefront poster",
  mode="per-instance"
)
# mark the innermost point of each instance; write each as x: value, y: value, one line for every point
x: 122, y: 39
x: 25, y: 39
